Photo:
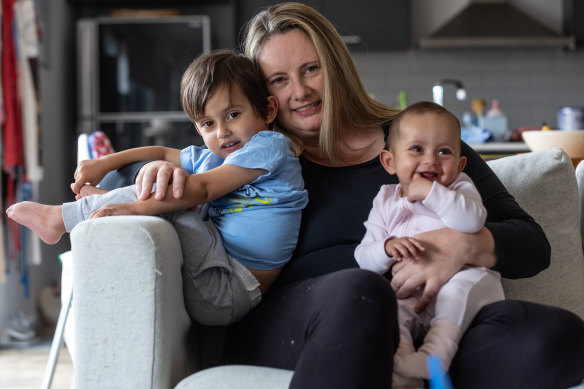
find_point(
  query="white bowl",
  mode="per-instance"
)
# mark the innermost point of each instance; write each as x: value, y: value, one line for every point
x: 572, y: 142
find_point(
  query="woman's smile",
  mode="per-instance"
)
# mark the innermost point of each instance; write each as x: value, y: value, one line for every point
x: 308, y: 109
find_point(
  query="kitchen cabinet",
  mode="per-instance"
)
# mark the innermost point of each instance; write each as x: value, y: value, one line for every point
x: 365, y: 25
x: 573, y: 23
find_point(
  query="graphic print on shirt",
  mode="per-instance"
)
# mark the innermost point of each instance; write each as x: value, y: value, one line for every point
x: 234, y: 202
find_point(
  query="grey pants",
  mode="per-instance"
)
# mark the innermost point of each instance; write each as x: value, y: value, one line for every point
x: 218, y: 290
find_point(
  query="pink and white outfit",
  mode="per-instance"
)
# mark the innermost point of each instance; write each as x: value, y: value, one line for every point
x: 458, y: 206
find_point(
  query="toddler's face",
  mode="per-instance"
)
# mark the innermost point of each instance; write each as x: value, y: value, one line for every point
x: 428, y: 144
x: 229, y: 121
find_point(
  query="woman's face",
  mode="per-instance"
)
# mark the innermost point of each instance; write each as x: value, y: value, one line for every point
x: 290, y: 65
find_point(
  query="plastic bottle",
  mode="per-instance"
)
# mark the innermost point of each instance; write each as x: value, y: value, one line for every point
x: 496, y: 122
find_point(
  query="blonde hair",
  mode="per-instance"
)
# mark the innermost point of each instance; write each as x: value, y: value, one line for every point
x: 345, y: 99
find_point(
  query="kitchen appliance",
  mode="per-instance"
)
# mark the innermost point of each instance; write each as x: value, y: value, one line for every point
x: 494, y: 23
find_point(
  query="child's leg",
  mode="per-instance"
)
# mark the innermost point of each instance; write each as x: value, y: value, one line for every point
x: 44, y: 220
x: 466, y: 293
x: 218, y: 290
x: 409, y: 325
x: 407, y: 372
x: 50, y: 222
x: 80, y: 210
x: 441, y: 340
x: 88, y: 190
x: 457, y: 303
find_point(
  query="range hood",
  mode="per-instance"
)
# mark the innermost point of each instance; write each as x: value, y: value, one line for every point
x: 494, y: 24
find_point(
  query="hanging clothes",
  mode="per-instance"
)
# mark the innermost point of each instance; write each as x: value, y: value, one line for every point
x: 12, y: 132
x: 25, y: 17
x: 12, y: 147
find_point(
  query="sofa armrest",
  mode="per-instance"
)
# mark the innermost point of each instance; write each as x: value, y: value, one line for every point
x: 131, y: 325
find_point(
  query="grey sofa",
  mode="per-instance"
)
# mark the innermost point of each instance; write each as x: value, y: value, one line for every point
x: 129, y: 327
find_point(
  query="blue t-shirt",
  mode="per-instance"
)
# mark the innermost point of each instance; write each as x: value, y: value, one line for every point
x: 258, y: 222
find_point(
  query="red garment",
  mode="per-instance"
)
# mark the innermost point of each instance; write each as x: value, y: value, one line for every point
x: 12, y: 131
x: 13, y: 155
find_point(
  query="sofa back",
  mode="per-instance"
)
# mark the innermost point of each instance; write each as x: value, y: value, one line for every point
x: 544, y: 184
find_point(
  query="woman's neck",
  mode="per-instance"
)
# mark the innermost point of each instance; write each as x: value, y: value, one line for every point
x: 358, y: 146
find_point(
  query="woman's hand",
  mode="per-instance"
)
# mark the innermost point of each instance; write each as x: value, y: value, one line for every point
x: 163, y: 173
x: 446, y: 252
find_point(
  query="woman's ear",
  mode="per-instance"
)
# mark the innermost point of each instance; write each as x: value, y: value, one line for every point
x: 461, y: 163
x: 386, y: 158
x: 272, y: 111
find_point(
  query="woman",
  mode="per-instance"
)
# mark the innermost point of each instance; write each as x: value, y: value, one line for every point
x: 335, y: 325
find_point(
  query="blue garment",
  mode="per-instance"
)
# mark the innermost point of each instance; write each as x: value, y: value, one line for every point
x: 258, y: 222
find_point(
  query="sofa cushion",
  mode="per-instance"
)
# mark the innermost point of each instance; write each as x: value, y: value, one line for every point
x: 237, y: 376
x: 544, y: 184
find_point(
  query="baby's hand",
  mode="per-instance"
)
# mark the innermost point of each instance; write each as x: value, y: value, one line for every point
x: 115, y: 210
x: 419, y: 188
x: 403, y: 248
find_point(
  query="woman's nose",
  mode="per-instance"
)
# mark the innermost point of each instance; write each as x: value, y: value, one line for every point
x: 301, y: 89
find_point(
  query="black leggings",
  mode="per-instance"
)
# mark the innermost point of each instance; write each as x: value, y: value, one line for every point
x: 340, y: 331
x: 335, y: 331
x: 517, y: 344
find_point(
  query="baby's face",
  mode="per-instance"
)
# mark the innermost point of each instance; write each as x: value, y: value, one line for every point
x: 229, y: 121
x: 428, y: 144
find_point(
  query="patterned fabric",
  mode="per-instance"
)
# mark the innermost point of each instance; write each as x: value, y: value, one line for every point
x: 99, y: 145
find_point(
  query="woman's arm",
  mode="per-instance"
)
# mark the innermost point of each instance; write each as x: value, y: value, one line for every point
x: 511, y: 243
x: 520, y: 245
x: 93, y: 170
x: 446, y: 252
x: 199, y: 189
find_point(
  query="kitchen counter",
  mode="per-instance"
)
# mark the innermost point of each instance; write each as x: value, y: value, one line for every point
x: 493, y: 150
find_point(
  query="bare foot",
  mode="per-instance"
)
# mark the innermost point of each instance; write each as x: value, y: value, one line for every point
x: 88, y: 190
x: 44, y: 220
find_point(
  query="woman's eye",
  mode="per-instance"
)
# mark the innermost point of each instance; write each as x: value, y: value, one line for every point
x: 277, y: 80
x: 312, y: 69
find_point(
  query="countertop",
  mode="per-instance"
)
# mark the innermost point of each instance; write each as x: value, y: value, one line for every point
x: 500, y: 147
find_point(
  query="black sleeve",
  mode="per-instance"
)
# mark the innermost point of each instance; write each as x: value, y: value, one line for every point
x: 521, y: 246
x: 123, y: 177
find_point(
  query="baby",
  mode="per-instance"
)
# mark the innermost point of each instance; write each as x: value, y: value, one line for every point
x: 424, y: 150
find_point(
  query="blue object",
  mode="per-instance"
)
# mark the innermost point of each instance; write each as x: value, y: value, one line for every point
x: 439, y: 378
x: 474, y: 135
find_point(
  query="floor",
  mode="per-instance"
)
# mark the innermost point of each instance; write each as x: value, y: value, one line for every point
x: 25, y: 368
